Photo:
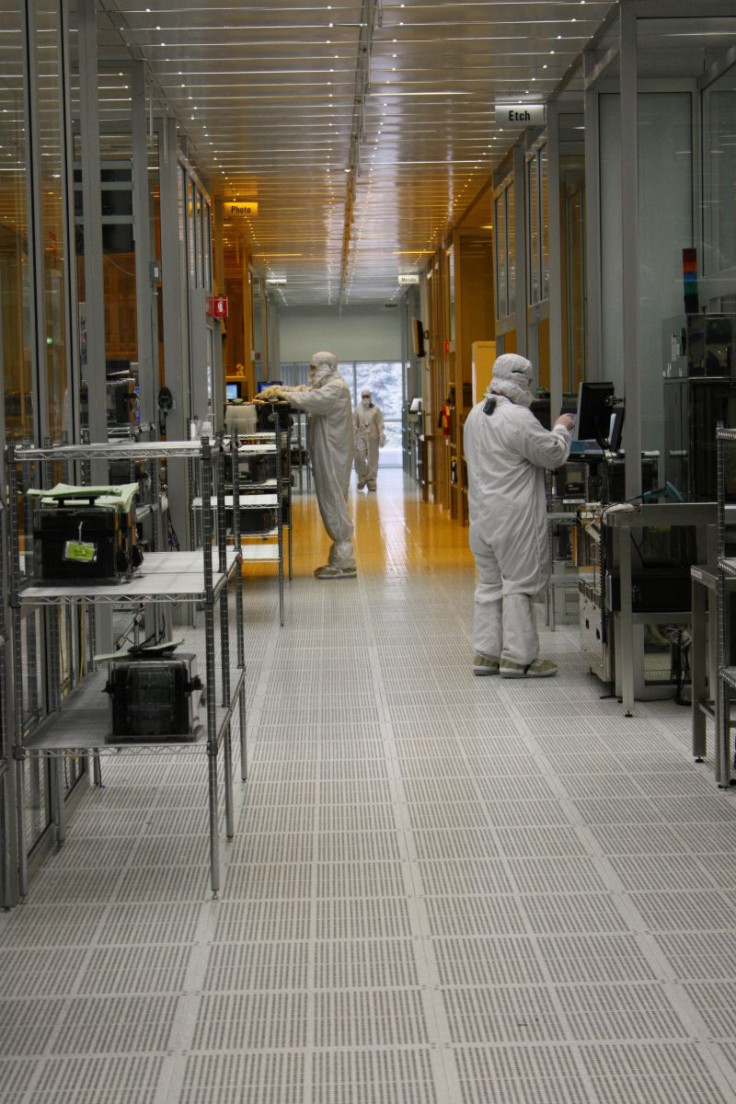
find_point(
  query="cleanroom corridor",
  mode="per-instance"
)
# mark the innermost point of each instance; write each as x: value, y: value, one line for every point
x: 441, y: 888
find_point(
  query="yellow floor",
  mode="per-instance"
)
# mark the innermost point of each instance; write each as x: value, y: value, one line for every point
x: 394, y: 531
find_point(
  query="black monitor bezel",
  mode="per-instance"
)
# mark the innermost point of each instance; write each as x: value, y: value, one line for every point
x: 595, y: 397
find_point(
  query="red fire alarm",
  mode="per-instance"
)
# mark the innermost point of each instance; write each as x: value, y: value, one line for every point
x: 217, y: 306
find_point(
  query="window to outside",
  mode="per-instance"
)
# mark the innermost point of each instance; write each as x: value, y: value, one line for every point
x: 384, y: 378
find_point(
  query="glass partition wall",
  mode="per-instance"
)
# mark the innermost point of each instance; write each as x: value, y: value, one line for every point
x: 16, y: 361
x: 16, y: 337
x: 719, y: 175
x: 36, y: 246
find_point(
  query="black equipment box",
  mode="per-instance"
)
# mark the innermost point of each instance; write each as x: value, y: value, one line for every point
x: 271, y: 415
x: 127, y: 471
x: 252, y: 470
x: 85, y: 543
x: 155, y: 699
x: 259, y: 519
x: 655, y: 589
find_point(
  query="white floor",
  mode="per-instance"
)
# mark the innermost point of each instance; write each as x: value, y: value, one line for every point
x: 441, y: 889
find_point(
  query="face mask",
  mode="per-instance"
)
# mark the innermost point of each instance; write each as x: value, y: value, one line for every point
x: 366, y: 402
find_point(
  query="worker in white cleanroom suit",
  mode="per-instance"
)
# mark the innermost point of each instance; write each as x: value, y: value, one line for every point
x: 369, y: 437
x: 506, y: 451
x: 330, y: 443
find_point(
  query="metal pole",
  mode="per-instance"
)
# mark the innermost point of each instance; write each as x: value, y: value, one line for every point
x: 630, y: 245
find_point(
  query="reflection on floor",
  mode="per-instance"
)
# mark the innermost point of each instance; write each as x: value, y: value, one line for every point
x: 441, y: 889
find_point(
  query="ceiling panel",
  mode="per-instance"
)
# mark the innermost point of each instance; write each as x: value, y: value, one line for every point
x: 365, y: 129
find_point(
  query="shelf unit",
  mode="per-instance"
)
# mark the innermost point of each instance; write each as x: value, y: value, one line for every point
x: 299, y: 450
x: 268, y: 546
x: 80, y: 724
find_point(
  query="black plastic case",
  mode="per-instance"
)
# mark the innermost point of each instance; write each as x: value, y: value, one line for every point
x: 154, y: 699
x: 108, y: 534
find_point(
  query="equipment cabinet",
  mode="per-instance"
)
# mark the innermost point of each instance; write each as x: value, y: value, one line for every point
x: 725, y: 580
x: 78, y: 722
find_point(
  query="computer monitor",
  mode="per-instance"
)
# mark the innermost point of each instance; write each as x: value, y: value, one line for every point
x: 417, y: 333
x: 232, y: 390
x: 616, y: 428
x: 595, y: 407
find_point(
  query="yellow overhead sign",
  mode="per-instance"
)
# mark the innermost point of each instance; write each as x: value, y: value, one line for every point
x: 242, y: 209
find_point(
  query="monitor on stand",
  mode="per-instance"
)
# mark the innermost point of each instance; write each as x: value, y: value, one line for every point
x: 595, y: 409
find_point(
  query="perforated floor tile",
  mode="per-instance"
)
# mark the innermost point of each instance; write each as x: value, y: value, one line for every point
x: 706, y: 957
x: 109, y: 1079
x: 503, y: 1015
x: 16, y: 1075
x: 456, y: 916
x: 367, y: 1017
x: 685, y: 911
x: 365, y: 964
x: 519, y: 1075
x: 715, y: 1001
x: 248, y: 967
x: 487, y: 961
x: 585, y: 959
x: 28, y: 1024
x: 262, y: 921
x: 149, y: 924
x: 50, y: 974
x: 455, y: 843
x: 557, y: 913
x: 675, y: 1072
x: 375, y: 1077
x: 115, y: 971
x: 636, y: 1012
x: 262, y: 1020
x: 218, y: 1078
x: 534, y: 841
x: 114, y: 1025
x: 465, y: 877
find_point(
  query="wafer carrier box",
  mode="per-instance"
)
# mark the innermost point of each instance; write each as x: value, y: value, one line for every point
x: 86, y: 535
x: 156, y: 695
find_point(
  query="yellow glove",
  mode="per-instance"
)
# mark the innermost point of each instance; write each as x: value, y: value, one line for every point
x: 271, y: 394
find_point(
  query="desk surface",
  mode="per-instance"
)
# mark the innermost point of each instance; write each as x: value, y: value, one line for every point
x: 638, y: 515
